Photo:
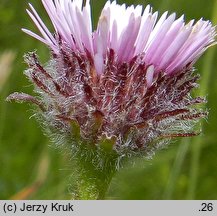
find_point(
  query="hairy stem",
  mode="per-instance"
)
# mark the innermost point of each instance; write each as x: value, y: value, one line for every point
x: 94, y: 169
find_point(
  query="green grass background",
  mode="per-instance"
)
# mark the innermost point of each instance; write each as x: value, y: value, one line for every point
x: 187, y: 169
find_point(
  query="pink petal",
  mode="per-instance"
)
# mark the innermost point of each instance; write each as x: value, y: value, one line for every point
x: 99, y: 63
x: 145, y: 32
x: 160, y: 34
x: 166, y: 41
x: 149, y: 75
x: 174, y: 47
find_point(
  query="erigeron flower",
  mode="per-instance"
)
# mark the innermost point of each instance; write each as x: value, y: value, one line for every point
x: 124, y: 86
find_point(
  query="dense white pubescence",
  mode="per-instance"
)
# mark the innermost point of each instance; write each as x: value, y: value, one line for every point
x: 120, y: 107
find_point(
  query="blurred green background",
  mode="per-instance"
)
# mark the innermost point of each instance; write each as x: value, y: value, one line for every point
x: 30, y: 166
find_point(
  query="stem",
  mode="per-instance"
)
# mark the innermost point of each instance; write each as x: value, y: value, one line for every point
x: 93, y: 181
x: 94, y: 165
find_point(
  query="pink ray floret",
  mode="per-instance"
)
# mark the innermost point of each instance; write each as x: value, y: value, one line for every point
x: 167, y: 43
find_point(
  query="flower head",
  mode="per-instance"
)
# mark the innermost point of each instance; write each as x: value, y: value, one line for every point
x: 127, y: 82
